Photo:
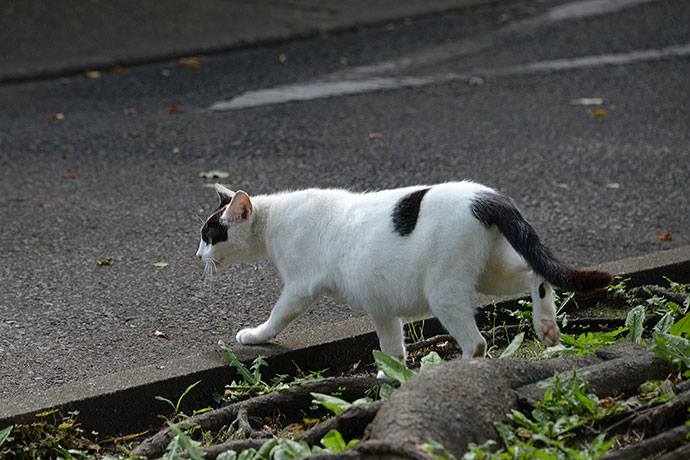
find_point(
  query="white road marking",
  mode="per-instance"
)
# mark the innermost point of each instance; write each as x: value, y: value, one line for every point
x: 377, y: 77
x: 322, y: 89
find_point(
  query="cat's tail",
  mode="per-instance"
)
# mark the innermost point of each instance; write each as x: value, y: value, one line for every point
x: 492, y: 208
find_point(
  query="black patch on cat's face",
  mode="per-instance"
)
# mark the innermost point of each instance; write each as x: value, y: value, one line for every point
x: 214, y: 230
x: 406, y: 212
x: 542, y: 291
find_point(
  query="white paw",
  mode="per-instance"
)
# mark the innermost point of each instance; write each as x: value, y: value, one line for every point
x: 250, y: 336
x: 381, y: 375
x: 549, y: 334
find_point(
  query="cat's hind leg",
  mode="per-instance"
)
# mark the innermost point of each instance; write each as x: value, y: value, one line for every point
x: 456, y: 314
x: 289, y: 306
x: 544, y: 312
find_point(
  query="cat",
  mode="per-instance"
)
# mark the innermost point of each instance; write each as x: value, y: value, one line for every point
x: 394, y: 254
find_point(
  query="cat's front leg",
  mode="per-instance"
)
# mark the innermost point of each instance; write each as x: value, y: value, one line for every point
x: 390, y: 332
x: 288, y: 307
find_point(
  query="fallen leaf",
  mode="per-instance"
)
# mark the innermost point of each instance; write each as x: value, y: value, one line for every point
x: 476, y: 81
x: 190, y: 63
x: 665, y: 237
x: 596, y: 113
x: 64, y: 81
x: 563, y: 185
x: 384, y: 145
x: 390, y: 27
x: 124, y: 438
x: 586, y: 101
x: 105, y: 262
x: 258, y: 152
x: 118, y: 69
x: 176, y: 150
x: 214, y: 174
x: 64, y: 156
x: 208, y: 185
x: 69, y: 176
x: 613, y: 185
x: 92, y: 74
x: 160, y: 264
x: 282, y: 58
x: 607, y: 402
x: 528, y: 10
x: 375, y: 136
x: 58, y: 116
x: 174, y: 109
x: 311, y: 421
x: 294, y: 427
x: 158, y: 333
x: 129, y: 111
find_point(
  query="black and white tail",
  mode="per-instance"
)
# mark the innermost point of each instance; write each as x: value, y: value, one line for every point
x: 492, y: 208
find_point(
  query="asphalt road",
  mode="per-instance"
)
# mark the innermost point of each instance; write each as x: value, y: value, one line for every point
x: 108, y: 168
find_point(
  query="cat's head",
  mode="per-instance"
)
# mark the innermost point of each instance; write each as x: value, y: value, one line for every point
x: 226, y: 235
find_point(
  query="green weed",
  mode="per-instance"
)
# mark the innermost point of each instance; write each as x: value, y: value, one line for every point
x: 549, y: 432
x: 176, y: 406
x: 51, y: 435
x: 252, y: 383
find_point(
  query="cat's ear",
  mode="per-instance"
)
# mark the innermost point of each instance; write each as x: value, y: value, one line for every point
x: 224, y: 195
x: 240, y: 208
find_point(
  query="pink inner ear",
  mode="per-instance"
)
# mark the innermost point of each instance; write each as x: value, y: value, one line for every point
x: 240, y: 208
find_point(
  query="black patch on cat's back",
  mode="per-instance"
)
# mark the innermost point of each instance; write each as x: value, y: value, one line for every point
x: 406, y: 212
x: 214, y: 230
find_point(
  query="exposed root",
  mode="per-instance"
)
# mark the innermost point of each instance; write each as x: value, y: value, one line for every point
x: 667, y: 441
x: 293, y: 399
x: 429, y: 342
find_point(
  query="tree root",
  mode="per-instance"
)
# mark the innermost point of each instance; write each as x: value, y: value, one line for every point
x: 429, y: 342
x: 666, y: 441
x: 294, y: 398
x: 655, y: 419
x: 375, y: 450
x: 669, y: 295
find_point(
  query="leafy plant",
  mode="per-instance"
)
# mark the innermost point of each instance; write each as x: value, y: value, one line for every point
x: 5, y: 433
x: 182, y: 442
x: 432, y: 448
x: 585, y: 344
x: 334, y: 442
x: 336, y: 404
x: 567, y: 409
x: 251, y: 383
x: 51, y: 435
x: 416, y: 332
x: 634, y: 322
x: 513, y: 346
x: 176, y: 406
x: 618, y: 289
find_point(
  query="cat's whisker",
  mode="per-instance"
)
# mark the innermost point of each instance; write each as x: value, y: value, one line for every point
x: 210, y: 271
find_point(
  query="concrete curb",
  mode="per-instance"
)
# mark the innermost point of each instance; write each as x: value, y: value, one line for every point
x: 124, y: 402
x: 43, y: 39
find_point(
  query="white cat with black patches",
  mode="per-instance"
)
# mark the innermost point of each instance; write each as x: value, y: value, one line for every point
x: 395, y: 254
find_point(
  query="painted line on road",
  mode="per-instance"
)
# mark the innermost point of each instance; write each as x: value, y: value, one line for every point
x: 319, y: 89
